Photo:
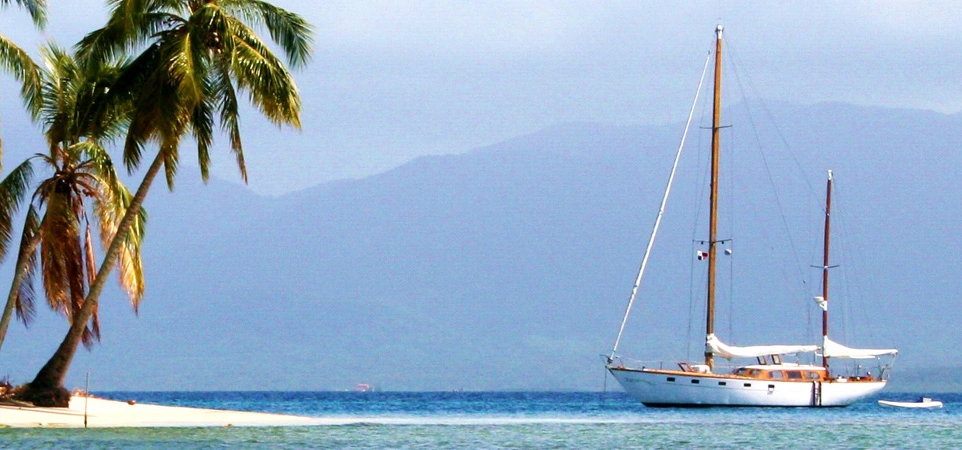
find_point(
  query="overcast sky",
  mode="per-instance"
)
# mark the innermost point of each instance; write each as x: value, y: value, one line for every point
x: 391, y: 80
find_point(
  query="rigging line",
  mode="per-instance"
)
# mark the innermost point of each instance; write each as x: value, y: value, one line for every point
x: 696, y: 300
x: 840, y: 309
x: 605, y: 387
x: 661, y: 211
x: 850, y: 278
x: 697, y: 201
x: 811, y: 190
x: 731, y: 234
x: 768, y: 171
x: 691, y: 301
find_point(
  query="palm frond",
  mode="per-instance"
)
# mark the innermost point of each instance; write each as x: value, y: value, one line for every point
x: 13, y: 189
x: 92, y: 332
x: 19, y: 64
x: 270, y: 85
x: 229, y: 115
x: 110, y: 210
x: 90, y: 272
x: 59, y: 252
x: 154, y: 116
x: 130, y: 264
x: 57, y: 105
x: 290, y: 31
x: 202, y: 125
x: 23, y: 287
x: 90, y: 261
x: 36, y: 8
x: 130, y: 24
x: 171, y: 161
x: 184, y: 64
x: 146, y: 115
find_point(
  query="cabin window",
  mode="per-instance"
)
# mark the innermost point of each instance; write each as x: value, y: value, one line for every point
x: 811, y: 375
x: 775, y: 375
x: 794, y: 375
x: 695, y: 381
x: 671, y: 379
x: 776, y: 359
x: 748, y: 385
x: 722, y: 383
x: 741, y: 371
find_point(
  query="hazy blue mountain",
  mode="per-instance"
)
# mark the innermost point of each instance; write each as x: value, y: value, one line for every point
x: 509, y: 267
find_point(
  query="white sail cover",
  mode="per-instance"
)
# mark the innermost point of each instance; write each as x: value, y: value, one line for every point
x: 832, y: 349
x: 717, y: 347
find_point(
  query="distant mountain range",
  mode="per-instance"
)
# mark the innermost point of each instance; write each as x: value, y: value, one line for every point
x: 508, y: 267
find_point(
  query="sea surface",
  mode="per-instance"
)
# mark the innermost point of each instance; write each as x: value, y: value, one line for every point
x: 516, y: 420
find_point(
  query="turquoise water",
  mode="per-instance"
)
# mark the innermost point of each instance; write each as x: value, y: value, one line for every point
x: 387, y: 420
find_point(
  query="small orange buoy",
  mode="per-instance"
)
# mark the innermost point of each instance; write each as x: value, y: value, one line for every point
x: 131, y: 402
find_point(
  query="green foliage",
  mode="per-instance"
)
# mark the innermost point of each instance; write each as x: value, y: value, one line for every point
x: 194, y: 58
x: 78, y: 117
x: 197, y: 57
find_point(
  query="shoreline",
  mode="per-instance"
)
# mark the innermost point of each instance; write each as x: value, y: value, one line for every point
x: 103, y: 413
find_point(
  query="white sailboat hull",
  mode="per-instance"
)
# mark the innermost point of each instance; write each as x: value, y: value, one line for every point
x: 668, y: 388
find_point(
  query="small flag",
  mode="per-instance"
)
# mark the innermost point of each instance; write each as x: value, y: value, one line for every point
x: 701, y: 255
x: 822, y: 303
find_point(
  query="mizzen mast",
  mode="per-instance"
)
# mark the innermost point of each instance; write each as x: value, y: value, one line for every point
x: 713, y: 209
x: 825, y: 265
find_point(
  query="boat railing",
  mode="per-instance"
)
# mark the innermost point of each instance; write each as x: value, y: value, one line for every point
x: 631, y: 363
x: 858, y: 371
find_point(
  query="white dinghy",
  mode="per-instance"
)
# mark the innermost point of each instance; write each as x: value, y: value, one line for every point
x: 924, y: 403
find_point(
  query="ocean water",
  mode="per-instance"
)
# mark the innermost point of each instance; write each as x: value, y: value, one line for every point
x: 492, y: 420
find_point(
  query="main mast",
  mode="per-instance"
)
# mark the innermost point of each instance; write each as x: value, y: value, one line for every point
x: 713, y: 211
x: 825, y: 266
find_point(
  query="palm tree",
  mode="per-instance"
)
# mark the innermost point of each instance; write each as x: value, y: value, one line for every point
x: 198, y: 55
x: 17, y: 62
x: 83, y: 187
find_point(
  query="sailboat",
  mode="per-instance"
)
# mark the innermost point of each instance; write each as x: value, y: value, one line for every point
x: 768, y: 380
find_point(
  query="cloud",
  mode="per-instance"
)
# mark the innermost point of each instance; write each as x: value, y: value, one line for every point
x: 392, y: 80
x: 449, y: 27
x: 911, y: 20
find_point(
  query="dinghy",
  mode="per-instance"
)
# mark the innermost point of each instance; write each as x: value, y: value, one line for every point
x: 925, y: 402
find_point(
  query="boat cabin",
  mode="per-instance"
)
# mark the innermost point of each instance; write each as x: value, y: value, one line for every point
x: 794, y: 372
x: 782, y: 372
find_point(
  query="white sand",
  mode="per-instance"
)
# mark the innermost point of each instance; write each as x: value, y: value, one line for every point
x: 110, y: 413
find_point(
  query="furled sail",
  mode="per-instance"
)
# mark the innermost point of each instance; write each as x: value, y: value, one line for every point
x: 832, y: 349
x: 717, y: 347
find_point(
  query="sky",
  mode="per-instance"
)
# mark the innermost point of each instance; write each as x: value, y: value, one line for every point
x: 394, y: 80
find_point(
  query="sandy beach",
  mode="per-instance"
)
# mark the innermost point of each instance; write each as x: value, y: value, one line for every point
x: 103, y: 413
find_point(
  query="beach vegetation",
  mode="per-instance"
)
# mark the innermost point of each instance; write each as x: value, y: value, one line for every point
x: 80, y: 189
x: 194, y: 59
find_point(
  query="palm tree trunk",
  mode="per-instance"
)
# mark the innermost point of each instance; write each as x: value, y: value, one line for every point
x: 22, y: 260
x: 47, y: 387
